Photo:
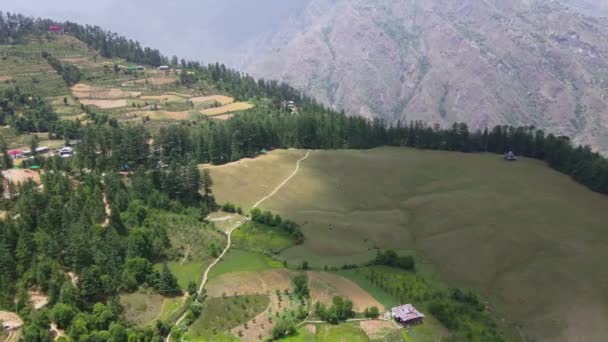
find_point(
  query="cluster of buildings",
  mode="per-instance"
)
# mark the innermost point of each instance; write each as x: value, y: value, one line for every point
x: 64, y: 152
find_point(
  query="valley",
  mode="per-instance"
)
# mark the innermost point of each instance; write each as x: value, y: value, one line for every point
x: 147, y: 198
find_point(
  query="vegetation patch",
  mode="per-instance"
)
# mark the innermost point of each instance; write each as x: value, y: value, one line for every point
x: 242, y: 261
x: 219, y: 315
x: 347, y: 332
x: 142, y: 307
x: 257, y: 237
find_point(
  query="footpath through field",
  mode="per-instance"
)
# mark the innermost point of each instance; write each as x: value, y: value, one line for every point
x: 229, y: 234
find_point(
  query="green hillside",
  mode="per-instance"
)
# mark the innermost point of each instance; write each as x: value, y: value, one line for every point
x: 526, y: 237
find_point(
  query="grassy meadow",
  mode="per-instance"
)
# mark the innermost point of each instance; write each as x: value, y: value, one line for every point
x: 529, y: 239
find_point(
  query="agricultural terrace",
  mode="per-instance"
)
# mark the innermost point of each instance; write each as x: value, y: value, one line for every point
x: 479, y: 222
x: 110, y: 85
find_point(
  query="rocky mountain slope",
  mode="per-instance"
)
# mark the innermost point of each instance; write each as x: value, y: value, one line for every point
x: 484, y: 62
x: 597, y: 8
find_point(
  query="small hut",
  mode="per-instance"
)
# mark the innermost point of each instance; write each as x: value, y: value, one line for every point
x: 15, y: 154
x: 510, y: 156
x: 407, y: 315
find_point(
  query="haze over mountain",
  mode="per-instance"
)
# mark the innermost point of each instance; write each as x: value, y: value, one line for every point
x: 484, y: 62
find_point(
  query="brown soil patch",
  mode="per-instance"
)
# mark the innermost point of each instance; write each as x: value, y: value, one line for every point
x: 57, y: 333
x: 152, y: 81
x: 5, y: 78
x: 73, y: 278
x: 11, y: 318
x: 249, y: 283
x: 229, y: 108
x: 159, y: 115
x: 221, y: 99
x: 76, y: 60
x: 325, y: 286
x: 2, y: 215
x: 162, y: 98
x: 20, y: 176
x: 106, y: 104
x: 38, y: 299
x: 263, y: 323
x: 176, y: 115
x: 85, y: 91
x: 377, y: 330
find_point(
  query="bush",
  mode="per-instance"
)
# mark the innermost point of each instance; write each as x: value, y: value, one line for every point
x: 392, y: 259
x: 372, y: 312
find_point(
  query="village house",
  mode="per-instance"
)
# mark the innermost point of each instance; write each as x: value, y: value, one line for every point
x: 164, y: 68
x: 407, y: 315
x: 15, y: 154
x: 510, y: 156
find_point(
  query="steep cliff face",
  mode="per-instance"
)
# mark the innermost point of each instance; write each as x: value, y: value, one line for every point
x: 484, y: 62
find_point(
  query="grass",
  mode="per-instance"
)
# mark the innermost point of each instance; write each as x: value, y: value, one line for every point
x: 302, y: 335
x: 503, y: 229
x: 256, y: 237
x: 378, y: 293
x: 170, y: 309
x: 242, y: 261
x: 141, y: 307
x: 341, y: 333
x: 186, y: 273
x: 219, y: 315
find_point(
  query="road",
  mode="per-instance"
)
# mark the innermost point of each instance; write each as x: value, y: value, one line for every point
x: 229, y: 235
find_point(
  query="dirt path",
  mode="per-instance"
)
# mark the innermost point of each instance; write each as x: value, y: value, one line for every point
x: 186, y: 254
x: 229, y: 235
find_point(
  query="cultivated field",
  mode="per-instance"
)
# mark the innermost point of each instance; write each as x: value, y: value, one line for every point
x: 325, y: 286
x: 229, y: 108
x: 526, y: 237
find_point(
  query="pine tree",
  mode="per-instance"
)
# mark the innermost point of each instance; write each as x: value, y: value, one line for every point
x: 167, y: 284
x: 207, y: 184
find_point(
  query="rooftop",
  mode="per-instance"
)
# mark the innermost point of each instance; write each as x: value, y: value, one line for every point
x: 406, y: 313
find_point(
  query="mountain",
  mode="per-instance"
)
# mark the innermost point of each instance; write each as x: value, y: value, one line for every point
x: 484, y: 62
x: 598, y: 8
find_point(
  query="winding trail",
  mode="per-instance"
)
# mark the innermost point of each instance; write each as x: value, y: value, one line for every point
x: 229, y: 235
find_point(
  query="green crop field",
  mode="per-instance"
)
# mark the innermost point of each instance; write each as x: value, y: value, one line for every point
x: 529, y: 239
x: 241, y: 261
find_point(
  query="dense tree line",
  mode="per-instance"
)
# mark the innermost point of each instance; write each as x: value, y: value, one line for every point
x: 25, y: 112
x: 462, y: 312
x: 340, y: 310
x: 69, y: 72
x: 287, y: 226
x: 392, y: 259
